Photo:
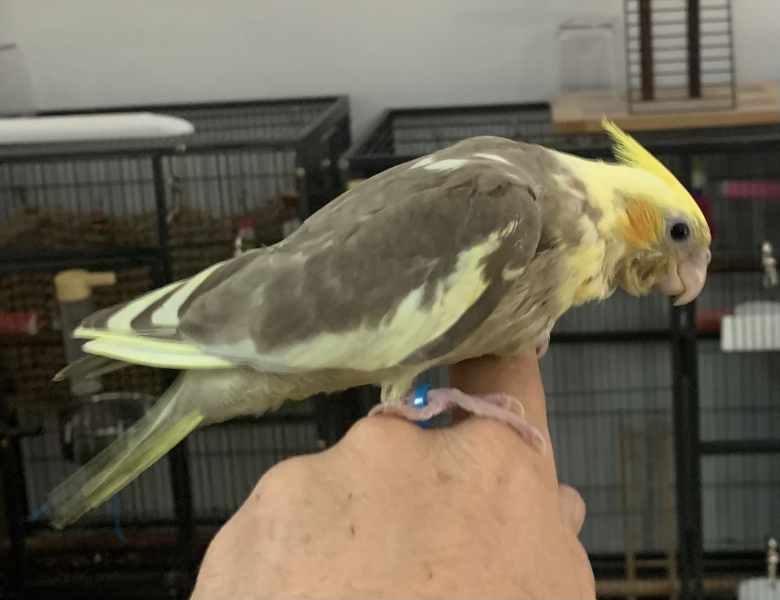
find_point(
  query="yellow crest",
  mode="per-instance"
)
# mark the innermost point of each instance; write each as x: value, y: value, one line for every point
x: 631, y: 153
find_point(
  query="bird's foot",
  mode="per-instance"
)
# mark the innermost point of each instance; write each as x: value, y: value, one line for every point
x: 502, y: 407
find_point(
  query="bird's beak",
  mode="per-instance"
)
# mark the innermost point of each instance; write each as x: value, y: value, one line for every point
x: 687, y: 280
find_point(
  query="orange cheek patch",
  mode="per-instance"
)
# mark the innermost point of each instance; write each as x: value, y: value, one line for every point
x: 642, y: 225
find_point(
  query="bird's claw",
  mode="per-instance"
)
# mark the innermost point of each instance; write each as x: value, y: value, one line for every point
x: 502, y: 407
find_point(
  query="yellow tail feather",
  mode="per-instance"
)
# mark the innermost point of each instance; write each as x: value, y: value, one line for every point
x: 124, y: 460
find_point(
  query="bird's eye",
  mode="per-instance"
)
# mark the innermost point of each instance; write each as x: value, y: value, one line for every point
x: 680, y: 232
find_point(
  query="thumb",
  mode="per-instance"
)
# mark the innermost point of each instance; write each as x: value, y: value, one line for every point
x: 572, y: 507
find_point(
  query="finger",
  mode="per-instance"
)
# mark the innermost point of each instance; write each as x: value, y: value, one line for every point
x: 520, y: 377
x: 572, y: 508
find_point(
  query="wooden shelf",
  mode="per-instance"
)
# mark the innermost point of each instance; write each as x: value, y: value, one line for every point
x: 581, y: 112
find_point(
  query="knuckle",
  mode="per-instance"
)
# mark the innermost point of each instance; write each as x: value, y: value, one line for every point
x: 376, y: 432
x: 285, y: 477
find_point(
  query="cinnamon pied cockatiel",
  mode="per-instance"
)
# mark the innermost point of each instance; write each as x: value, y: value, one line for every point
x: 476, y: 249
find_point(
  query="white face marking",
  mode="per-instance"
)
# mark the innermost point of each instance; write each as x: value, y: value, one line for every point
x: 494, y: 157
x: 449, y: 164
x: 422, y: 162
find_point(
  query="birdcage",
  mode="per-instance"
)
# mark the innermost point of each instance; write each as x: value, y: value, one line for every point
x: 149, y: 211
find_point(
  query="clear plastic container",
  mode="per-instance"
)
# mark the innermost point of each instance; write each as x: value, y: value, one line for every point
x: 588, y: 48
x: 16, y: 96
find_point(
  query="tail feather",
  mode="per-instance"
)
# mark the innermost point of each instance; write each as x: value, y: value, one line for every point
x: 89, y: 367
x: 151, y: 437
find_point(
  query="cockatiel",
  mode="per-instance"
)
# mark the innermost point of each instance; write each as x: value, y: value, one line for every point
x: 476, y: 249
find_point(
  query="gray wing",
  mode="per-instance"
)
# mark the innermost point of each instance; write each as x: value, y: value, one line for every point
x: 401, y: 269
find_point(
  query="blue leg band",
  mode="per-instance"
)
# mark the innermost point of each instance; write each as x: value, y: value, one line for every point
x: 420, y: 400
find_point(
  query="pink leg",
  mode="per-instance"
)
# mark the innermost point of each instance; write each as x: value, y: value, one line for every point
x: 502, y: 407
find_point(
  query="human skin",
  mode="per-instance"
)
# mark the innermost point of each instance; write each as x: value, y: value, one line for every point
x: 396, y: 511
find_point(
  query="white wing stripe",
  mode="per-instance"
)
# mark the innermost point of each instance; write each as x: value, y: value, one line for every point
x: 153, y: 357
x: 426, y: 160
x: 167, y: 315
x: 494, y: 157
x: 447, y: 164
x: 122, y: 319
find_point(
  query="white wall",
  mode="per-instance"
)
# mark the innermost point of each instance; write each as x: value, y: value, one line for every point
x: 5, y: 21
x: 389, y: 53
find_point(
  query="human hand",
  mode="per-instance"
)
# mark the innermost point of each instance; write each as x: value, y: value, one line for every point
x: 392, y: 510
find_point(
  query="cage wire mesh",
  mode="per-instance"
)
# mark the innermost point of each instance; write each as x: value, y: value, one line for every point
x: 69, y: 203
x: 210, y: 193
x: 404, y: 134
x: 610, y: 419
x: 739, y: 498
x: 411, y: 133
x: 241, y: 160
x: 740, y: 389
x: 251, y: 122
x: 609, y: 379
